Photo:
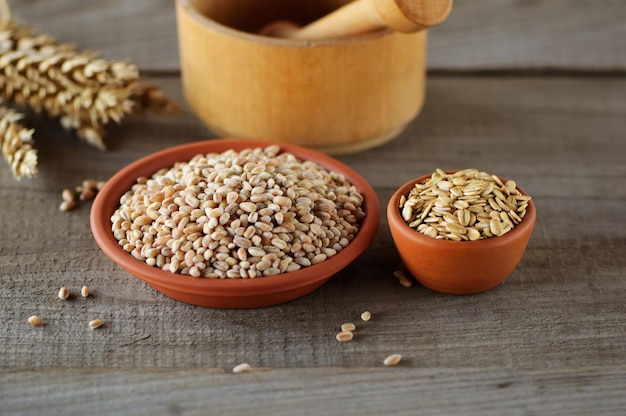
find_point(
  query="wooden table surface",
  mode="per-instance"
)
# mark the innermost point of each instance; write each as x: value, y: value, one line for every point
x: 533, y: 91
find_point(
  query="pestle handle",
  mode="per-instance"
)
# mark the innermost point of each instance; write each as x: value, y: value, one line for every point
x: 361, y: 16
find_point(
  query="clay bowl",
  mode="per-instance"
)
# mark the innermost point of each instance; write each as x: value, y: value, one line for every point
x: 458, y: 267
x: 228, y: 293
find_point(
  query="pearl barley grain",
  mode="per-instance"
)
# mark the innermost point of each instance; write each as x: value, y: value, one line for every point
x: 68, y: 195
x: 64, y: 293
x: 96, y: 323
x: 35, y: 320
x: 402, y: 278
x: 242, y: 368
x: 392, y: 360
x: 84, y: 291
x: 366, y: 316
x: 344, y: 336
x: 348, y: 327
x: 67, y: 205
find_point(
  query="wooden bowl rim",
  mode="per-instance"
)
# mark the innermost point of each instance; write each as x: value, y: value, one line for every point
x: 188, y: 7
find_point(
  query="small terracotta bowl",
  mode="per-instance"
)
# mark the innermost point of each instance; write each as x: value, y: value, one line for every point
x: 228, y: 293
x: 457, y: 267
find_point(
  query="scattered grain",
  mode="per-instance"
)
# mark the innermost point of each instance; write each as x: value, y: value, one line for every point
x: 96, y: 323
x: 392, y: 360
x: 348, y: 327
x: 35, y: 320
x: 64, y: 293
x: 90, y: 184
x: 87, y: 194
x: 68, y: 195
x: 67, y: 205
x: 366, y: 316
x: 242, y: 368
x: 344, y: 336
x: 403, y: 278
x: 84, y: 291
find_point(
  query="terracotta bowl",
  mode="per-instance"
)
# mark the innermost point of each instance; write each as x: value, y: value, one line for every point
x: 458, y: 267
x: 228, y: 293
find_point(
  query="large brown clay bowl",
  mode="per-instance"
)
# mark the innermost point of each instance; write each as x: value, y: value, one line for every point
x: 228, y: 293
x: 458, y: 267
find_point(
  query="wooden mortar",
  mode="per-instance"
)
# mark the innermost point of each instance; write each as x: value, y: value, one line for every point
x: 337, y: 96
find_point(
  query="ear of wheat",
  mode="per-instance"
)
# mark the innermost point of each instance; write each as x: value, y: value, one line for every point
x: 17, y: 144
x: 82, y: 90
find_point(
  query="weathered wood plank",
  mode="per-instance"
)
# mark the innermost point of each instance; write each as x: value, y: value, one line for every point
x: 537, y: 34
x: 478, y: 35
x: 398, y: 391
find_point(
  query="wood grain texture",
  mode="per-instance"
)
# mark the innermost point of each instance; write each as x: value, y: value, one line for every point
x: 551, y: 340
x: 562, y: 308
x: 478, y: 34
x: 531, y: 34
x: 342, y: 391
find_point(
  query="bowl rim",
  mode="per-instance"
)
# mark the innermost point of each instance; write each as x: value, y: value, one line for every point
x: 107, y: 200
x: 188, y: 7
x: 397, y: 224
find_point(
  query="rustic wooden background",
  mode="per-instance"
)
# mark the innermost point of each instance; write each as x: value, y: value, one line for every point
x: 533, y: 90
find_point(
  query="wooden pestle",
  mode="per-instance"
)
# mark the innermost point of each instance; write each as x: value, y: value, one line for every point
x: 361, y: 16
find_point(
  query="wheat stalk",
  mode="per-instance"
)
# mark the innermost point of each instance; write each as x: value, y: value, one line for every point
x: 82, y: 90
x: 16, y: 143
